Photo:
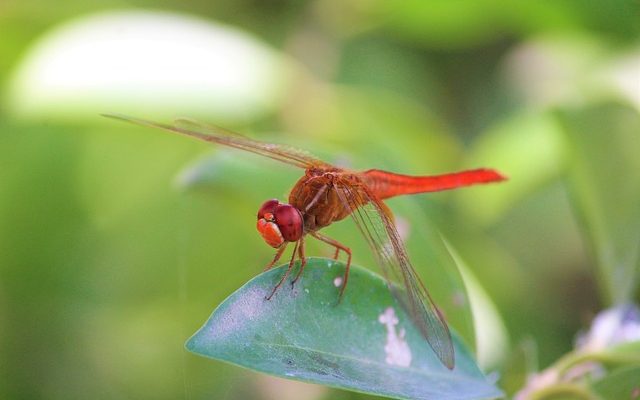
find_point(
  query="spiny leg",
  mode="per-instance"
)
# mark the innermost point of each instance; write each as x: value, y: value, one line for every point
x: 277, y: 257
x: 339, y: 246
x: 303, y: 261
x: 286, y: 274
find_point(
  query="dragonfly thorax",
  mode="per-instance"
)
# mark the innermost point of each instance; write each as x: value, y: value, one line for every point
x: 279, y: 223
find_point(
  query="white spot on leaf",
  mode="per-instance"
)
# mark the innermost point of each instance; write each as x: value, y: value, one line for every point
x: 396, y: 348
x: 337, y: 282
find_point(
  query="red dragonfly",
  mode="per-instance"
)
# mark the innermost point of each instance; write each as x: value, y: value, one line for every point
x: 327, y: 193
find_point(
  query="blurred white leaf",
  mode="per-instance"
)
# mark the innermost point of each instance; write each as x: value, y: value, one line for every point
x: 548, y: 71
x: 151, y: 63
x: 492, y: 337
x: 624, y: 76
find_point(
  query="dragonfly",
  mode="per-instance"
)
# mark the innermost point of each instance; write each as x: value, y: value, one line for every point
x: 326, y: 194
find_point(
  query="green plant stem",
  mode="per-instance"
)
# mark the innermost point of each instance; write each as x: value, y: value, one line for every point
x: 571, y: 359
x: 563, y: 389
x: 574, y: 358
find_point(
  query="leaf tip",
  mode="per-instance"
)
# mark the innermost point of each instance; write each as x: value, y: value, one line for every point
x: 193, y: 343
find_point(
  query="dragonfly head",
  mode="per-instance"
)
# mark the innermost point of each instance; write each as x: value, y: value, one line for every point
x: 279, y: 223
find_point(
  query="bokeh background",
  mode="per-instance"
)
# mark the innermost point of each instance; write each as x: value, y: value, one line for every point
x: 116, y: 242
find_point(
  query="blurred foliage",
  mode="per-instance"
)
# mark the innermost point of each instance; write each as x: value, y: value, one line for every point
x: 604, y: 141
x: 620, y: 384
x: 106, y: 267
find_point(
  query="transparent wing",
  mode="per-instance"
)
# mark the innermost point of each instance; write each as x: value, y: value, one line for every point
x: 214, y: 134
x: 375, y: 221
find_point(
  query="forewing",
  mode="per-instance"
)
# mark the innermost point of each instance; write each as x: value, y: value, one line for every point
x: 214, y: 134
x: 375, y: 222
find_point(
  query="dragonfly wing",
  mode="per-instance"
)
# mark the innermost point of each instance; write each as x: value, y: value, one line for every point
x: 280, y: 149
x: 214, y: 134
x: 375, y: 221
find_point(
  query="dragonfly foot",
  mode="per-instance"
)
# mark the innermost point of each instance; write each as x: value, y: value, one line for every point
x: 286, y: 274
x: 303, y: 261
x: 276, y: 257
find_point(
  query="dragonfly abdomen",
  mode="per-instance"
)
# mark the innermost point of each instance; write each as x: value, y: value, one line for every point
x: 388, y: 184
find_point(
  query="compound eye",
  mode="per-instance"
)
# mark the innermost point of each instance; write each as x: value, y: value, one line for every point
x: 289, y: 221
x: 268, y: 206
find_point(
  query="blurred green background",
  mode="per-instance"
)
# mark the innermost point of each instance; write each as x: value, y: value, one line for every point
x: 116, y: 241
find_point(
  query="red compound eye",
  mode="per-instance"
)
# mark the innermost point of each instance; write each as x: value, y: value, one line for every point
x: 289, y: 221
x: 268, y: 206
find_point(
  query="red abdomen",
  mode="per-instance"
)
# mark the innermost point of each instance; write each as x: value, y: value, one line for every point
x: 387, y: 184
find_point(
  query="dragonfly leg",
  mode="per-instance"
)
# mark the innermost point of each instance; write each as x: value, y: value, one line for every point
x: 286, y: 274
x: 337, y: 254
x: 276, y: 258
x: 303, y: 261
x: 339, y: 246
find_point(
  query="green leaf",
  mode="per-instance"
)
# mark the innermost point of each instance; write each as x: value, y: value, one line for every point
x: 622, y: 383
x: 302, y: 334
x: 528, y: 149
x: 604, y: 178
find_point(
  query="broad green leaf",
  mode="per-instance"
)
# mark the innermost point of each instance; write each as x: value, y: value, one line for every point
x: 303, y: 334
x: 527, y: 148
x: 622, y: 383
x: 604, y: 178
x: 222, y: 170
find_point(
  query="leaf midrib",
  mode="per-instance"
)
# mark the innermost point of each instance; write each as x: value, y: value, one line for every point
x: 430, y: 374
